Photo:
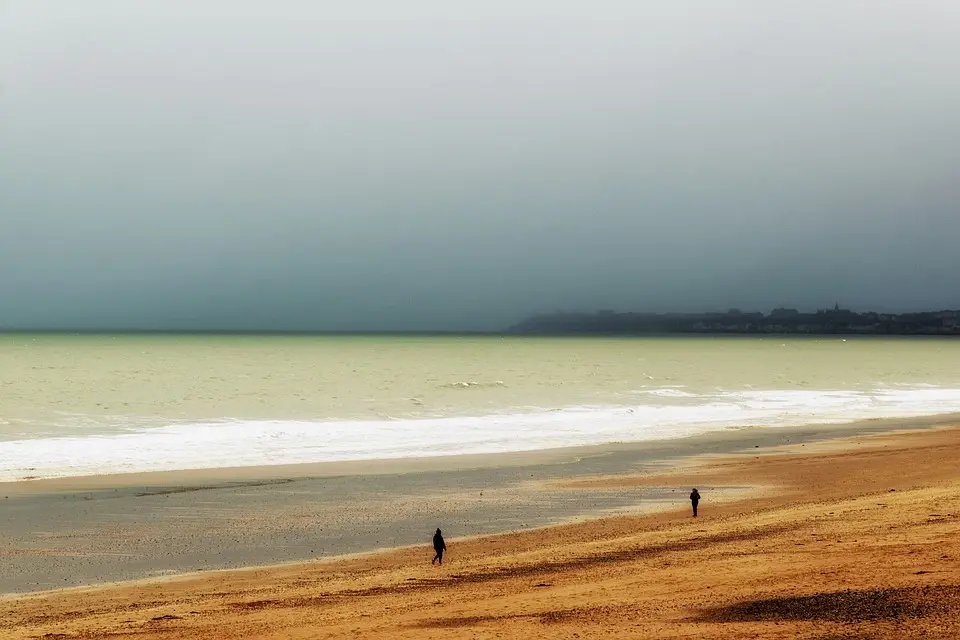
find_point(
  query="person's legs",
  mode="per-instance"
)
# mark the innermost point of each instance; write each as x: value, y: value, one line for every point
x: 434, y: 561
x: 694, y: 509
x: 440, y: 556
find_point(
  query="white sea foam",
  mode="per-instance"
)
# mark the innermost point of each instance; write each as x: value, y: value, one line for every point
x: 667, y: 392
x: 469, y: 384
x: 668, y: 413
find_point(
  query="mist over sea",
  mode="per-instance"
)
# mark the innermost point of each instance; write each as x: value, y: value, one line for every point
x: 90, y: 404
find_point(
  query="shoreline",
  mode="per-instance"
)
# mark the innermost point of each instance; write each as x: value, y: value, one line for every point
x: 95, y: 530
x: 223, y: 477
x: 844, y: 517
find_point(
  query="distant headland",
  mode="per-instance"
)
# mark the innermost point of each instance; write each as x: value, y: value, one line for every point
x: 835, y: 321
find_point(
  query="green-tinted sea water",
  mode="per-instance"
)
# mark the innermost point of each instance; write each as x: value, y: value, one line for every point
x: 298, y: 398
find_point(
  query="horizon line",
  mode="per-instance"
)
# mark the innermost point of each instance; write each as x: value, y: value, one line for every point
x: 504, y: 331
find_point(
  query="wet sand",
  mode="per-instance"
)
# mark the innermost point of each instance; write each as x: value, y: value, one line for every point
x: 81, y: 531
x: 851, y: 538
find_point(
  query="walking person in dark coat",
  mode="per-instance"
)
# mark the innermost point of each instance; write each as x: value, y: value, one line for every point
x: 439, y: 546
x: 694, y: 500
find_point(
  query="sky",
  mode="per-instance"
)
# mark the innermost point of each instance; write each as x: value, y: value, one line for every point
x: 425, y: 165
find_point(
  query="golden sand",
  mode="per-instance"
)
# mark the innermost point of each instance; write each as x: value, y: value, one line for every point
x: 855, y: 540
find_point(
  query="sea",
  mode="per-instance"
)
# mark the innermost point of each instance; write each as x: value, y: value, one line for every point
x: 78, y: 405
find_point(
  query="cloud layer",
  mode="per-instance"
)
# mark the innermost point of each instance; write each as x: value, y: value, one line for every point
x: 301, y: 165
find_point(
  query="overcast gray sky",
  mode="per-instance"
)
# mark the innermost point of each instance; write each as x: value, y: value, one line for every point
x: 436, y: 164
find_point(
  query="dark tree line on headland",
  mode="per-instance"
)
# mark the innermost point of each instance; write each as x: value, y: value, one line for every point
x: 834, y: 321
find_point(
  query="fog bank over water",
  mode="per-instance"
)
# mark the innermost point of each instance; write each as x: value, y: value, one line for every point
x: 312, y: 166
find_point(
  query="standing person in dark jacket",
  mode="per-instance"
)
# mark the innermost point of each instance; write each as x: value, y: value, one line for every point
x: 694, y: 500
x: 439, y: 546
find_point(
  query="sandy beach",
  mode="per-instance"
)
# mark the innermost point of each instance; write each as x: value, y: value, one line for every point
x: 289, y: 287
x: 839, y: 538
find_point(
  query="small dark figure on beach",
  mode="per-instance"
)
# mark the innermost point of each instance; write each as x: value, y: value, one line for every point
x: 694, y: 500
x: 439, y: 546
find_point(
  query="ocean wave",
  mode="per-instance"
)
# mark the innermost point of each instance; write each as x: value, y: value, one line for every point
x: 472, y: 385
x: 230, y: 443
x: 667, y: 392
